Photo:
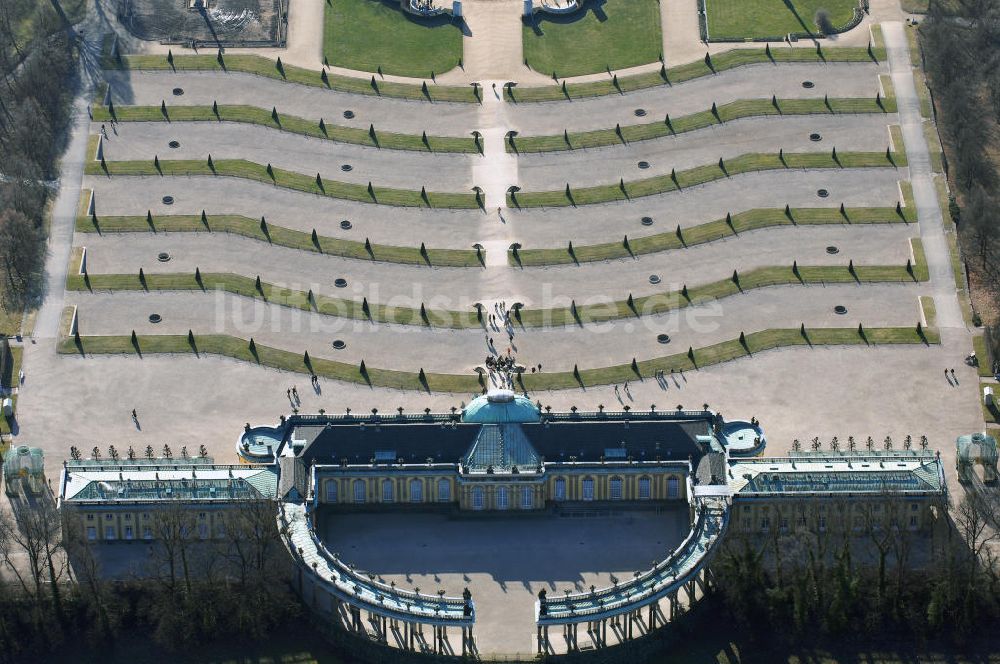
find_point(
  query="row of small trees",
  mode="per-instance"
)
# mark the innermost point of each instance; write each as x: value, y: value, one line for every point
x: 35, y: 92
x: 56, y: 589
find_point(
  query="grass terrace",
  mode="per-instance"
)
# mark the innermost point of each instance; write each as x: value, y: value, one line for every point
x: 249, y: 170
x: 261, y: 66
x: 737, y: 57
x: 603, y: 35
x: 377, y: 35
x: 243, y: 349
x: 711, y: 231
x: 743, y: 108
x: 747, y: 163
x: 749, y: 19
x: 290, y: 123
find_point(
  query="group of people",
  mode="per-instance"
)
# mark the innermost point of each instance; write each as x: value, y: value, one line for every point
x: 501, y: 370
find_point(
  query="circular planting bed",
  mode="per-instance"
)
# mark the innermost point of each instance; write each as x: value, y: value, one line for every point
x: 168, y: 200
x: 346, y: 225
x: 840, y: 309
x: 339, y: 344
x: 663, y: 338
x: 163, y: 257
x: 654, y: 278
x: 822, y: 193
x: 346, y: 167
x: 340, y: 282
x: 647, y: 221
x: 178, y: 92
x: 155, y: 318
x: 815, y: 138
x: 640, y: 112
x: 832, y: 250
x: 174, y: 144
x: 643, y: 165
x: 808, y: 84
x: 348, y: 114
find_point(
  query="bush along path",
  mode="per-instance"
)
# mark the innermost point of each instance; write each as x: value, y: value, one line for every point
x: 250, y: 170
x: 731, y: 226
x: 290, y: 123
x: 262, y: 230
x: 247, y: 350
x: 724, y: 168
x: 915, y: 270
x: 717, y: 115
x: 275, y: 69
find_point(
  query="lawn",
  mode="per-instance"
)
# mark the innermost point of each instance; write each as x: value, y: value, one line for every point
x: 368, y: 34
x: 741, y: 19
x: 603, y: 35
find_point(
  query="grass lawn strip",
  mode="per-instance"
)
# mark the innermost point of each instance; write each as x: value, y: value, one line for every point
x: 281, y: 236
x: 249, y: 170
x: 737, y: 57
x: 370, y: 35
x: 742, y: 19
x: 632, y: 307
x: 983, y: 355
x: 617, y: 35
x: 239, y: 349
x: 711, y: 231
x: 261, y: 66
x: 290, y: 123
x: 746, y: 163
x: 743, y: 108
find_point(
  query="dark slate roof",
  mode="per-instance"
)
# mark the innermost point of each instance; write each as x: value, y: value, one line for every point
x: 643, y: 440
x: 413, y: 442
x: 711, y: 469
x: 450, y: 442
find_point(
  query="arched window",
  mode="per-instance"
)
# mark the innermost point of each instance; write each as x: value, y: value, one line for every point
x: 416, y: 491
x: 588, y: 488
x: 673, y: 487
x: 644, y: 488
x: 560, y: 489
x: 527, y: 497
x: 444, y: 491
x: 616, y: 488
x: 331, y: 491
x: 386, y: 491
x: 359, y: 491
x: 502, y: 501
x: 477, y: 498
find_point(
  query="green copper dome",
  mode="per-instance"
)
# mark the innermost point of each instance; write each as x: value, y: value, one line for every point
x: 500, y: 407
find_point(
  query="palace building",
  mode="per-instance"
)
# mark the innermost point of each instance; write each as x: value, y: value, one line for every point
x: 502, y: 453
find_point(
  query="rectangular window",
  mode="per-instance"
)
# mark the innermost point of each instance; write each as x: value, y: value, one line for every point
x: 109, y: 517
x: 765, y: 523
x: 673, y: 488
x: 502, y: 502
x: 128, y: 517
x: 588, y: 489
x: 616, y: 488
x: 784, y: 524
x: 560, y: 489
x: 203, y: 530
x: 913, y: 522
x: 147, y: 533
x: 477, y: 498
x: 109, y: 532
x: 822, y: 522
x: 746, y: 524
x: 128, y: 533
x: 387, y: 491
x: 416, y: 491
x: 91, y: 533
x: 444, y: 491
x: 90, y: 517
x: 331, y: 491
x: 527, y: 497
x: 359, y: 491
x: 644, y: 488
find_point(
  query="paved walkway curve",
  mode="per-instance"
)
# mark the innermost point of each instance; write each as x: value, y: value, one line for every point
x: 942, y: 278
